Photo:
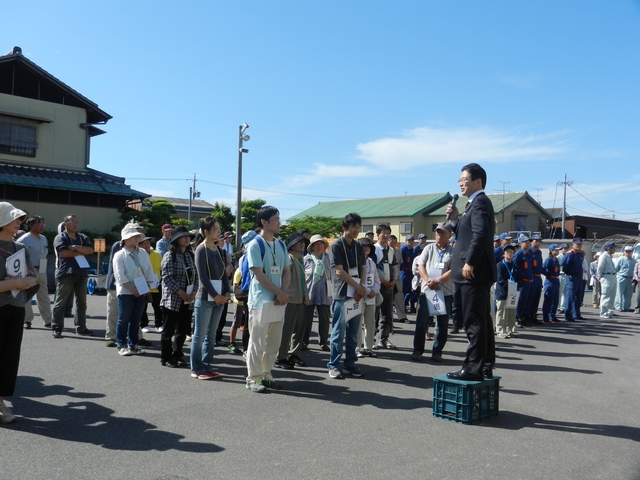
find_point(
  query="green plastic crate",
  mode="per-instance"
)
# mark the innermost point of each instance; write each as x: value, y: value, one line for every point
x: 465, y: 402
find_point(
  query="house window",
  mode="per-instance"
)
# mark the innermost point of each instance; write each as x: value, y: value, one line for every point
x: 406, y: 228
x: 18, y: 139
x: 367, y: 228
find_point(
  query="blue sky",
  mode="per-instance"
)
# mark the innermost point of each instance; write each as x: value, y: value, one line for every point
x: 354, y: 99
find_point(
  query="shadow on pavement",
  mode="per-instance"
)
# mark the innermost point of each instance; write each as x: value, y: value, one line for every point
x: 88, y: 422
x: 516, y: 421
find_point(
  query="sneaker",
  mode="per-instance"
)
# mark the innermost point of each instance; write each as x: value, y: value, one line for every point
x: 429, y: 337
x: 26, y: 325
x: 110, y: 343
x: 335, y: 373
x: 637, y: 310
x: 388, y: 345
x: 324, y: 348
x: 183, y: 363
x: 360, y: 354
x: 57, y: 334
x: 124, y: 352
x: 159, y: 329
x: 188, y: 338
x: 271, y: 384
x: 144, y: 342
x: 453, y: 331
x: 284, y: 364
x: 169, y: 363
x: 47, y: 325
x: 502, y: 335
x: 205, y: 375
x: 353, y: 371
x: 233, y: 350
x: 146, y: 329
x: 257, y: 387
x: 370, y: 353
x: 6, y: 415
x: 136, y: 351
x: 85, y: 333
x: 415, y: 357
x: 436, y: 357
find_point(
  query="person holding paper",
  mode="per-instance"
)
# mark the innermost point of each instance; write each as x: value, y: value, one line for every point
x: 179, y: 290
x: 436, y: 293
x: 213, y: 295
x: 508, y: 277
x: 133, y: 274
x: 349, y: 276
x: 37, y: 249
x: 16, y: 276
x: 72, y: 248
x: 365, y: 338
x: 270, y: 267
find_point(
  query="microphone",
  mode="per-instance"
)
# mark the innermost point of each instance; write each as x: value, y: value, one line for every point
x: 453, y: 204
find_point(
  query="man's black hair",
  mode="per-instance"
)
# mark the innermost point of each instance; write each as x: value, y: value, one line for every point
x: 265, y: 213
x: 382, y: 226
x: 351, y: 219
x: 476, y: 172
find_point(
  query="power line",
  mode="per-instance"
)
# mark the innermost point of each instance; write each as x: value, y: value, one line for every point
x: 245, y: 188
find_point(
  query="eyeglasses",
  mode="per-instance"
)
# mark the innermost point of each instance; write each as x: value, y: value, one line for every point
x: 464, y: 179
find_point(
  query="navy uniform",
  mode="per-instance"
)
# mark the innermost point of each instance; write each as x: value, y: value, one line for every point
x: 572, y: 266
x: 551, y: 270
x: 536, y: 265
x: 523, y: 262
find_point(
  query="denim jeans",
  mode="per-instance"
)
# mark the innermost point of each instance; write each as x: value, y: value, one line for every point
x: 129, y: 314
x: 345, y: 332
x: 207, y: 317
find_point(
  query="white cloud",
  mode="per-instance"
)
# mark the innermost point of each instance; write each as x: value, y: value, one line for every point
x: 426, y: 146
x: 432, y: 146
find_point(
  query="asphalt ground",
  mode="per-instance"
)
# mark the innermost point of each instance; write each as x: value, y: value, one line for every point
x: 568, y: 409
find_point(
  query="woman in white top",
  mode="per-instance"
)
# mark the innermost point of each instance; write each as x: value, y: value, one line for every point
x: 133, y: 275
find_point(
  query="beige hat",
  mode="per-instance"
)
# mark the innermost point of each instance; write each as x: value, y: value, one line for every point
x: 130, y: 230
x: 8, y: 213
x: 315, y: 239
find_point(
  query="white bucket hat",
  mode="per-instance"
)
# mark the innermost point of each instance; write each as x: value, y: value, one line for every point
x: 8, y: 213
x: 315, y: 239
x: 130, y: 230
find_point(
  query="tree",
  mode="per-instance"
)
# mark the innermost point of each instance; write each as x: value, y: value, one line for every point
x: 151, y: 217
x: 223, y: 214
x: 249, y: 211
x: 326, y: 226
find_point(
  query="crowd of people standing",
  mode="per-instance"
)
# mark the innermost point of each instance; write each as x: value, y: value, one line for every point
x: 488, y: 285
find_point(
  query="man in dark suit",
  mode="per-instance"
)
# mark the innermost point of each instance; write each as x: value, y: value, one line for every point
x: 473, y: 269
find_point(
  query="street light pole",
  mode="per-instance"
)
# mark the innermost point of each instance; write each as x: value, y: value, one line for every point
x: 241, y: 138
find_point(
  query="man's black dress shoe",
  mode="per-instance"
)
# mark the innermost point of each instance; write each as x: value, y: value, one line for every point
x: 487, y: 373
x: 464, y: 375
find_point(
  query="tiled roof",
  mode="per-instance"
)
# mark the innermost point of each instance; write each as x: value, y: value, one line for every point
x: 88, y: 180
x: 500, y: 202
x: 405, y: 206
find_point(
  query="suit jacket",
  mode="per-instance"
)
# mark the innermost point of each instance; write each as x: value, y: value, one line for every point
x: 474, y: 242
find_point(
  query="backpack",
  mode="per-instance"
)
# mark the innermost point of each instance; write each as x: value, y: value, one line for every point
x: 247, y: 275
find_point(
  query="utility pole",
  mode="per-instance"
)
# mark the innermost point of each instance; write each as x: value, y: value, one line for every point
x: 564, y: 202
x: 193, y: 194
